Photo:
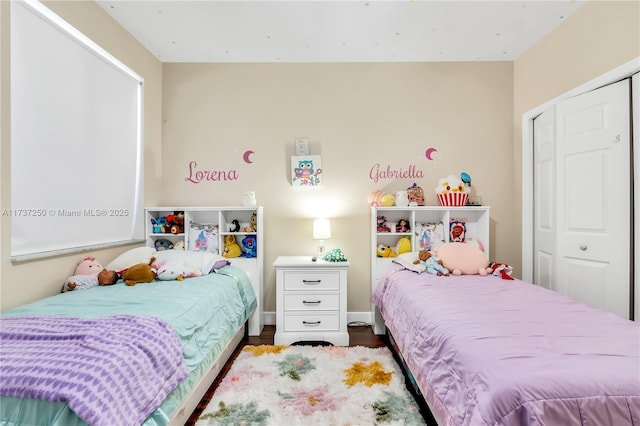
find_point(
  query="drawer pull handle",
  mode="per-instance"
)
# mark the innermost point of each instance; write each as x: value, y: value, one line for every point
x: 311, y: 302
x: 311, y: 322
x: 311, y: 281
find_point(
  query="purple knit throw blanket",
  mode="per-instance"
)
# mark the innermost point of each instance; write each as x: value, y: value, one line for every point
x: 111, y: 371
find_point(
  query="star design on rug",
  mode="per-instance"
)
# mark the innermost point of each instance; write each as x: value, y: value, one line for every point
x: 367, y: 374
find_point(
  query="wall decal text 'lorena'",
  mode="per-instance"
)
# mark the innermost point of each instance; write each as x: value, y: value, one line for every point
x: 198, y: 176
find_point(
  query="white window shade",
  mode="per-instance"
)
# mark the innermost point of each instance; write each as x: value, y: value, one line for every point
x: 75, y: 140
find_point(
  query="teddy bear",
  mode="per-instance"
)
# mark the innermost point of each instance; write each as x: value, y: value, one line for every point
x: 253, y: 226
x: 463, y: 259
x: 432, y: 263
x: 176, y: 222
x: 231, y: 247
x: 140, y: 273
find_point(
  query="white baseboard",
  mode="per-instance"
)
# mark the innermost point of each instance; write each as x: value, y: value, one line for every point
x: 269, y: 318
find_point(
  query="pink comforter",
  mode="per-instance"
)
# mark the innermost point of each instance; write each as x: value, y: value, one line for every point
x: 487, y: 351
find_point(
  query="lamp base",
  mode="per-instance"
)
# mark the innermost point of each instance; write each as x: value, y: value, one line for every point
x: 321, y: 249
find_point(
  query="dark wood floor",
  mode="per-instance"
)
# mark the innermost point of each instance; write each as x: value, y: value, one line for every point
x: 358, y: 336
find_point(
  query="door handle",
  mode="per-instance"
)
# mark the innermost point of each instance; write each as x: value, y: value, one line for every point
x: 583, y: 247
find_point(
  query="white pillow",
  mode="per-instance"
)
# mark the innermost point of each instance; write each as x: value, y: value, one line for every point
x: 130, y: 258
x: 202, y: 261
x: 406, y: 260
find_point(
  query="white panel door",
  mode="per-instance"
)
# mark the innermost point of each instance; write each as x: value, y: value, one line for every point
x: 594, y: 198
x: 544, y: 190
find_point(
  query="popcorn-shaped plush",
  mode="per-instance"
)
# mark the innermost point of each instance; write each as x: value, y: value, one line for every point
x: 88, y: 266
x: 463, y: 259
x: 140, y: 273
x: 452, y: 191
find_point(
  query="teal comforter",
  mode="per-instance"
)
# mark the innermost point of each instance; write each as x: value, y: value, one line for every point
x: 205, y: 313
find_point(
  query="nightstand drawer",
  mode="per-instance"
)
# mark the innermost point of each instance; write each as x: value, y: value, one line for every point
x: 311, y: 301
x: 312, y: 322
x: 311, y: 280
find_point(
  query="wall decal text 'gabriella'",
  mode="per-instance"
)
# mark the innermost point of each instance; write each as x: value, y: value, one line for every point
x: 197, y: 176
x: 377, y: 172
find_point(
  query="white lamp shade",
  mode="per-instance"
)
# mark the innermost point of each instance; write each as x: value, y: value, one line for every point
x: 321, y: 229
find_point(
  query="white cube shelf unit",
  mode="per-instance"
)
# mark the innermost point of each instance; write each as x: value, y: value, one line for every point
x: 223, y: 218
x: 475, y: 218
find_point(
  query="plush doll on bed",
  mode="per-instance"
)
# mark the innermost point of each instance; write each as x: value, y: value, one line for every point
x: 167, y: 271
x: 140, y: 273
x: 83, y: 282
x: 432, y: 263
x: 463, y: 259
x: 88, y: 266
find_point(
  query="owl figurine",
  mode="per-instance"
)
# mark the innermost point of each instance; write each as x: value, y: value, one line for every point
x: 249, y: 198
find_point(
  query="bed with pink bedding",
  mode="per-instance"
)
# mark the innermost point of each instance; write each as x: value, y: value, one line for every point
x: 488, y: 351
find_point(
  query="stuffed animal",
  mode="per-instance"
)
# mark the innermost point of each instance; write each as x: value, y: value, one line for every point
x: 163, y: 244
x: 88, y: 266
x: 249, y: 248
x: 403, y: 245
x: 382, y: 224
x: 388, y: 200
x: 463, y: 259
x: 179, y: 245
x: 433, y: 265
x: 235, y: 226
x: 375, y: 198
x: 140, y: 273
x: 83, y: 282
x: 231, y: 247
x: 385, y: 251
x: 176, y: 222
x: 160, y: 225
x: 502, y: 270
x: 168, y: 271
x: 253, y: 226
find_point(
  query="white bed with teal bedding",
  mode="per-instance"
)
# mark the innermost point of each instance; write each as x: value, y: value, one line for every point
x: 207, y: 314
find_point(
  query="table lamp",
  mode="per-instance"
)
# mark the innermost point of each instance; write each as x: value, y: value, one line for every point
x: 321, y: 231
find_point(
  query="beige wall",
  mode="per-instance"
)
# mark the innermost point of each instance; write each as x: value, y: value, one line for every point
x: 599, y: 37
x: 33, y: 280
x: 356, y: 116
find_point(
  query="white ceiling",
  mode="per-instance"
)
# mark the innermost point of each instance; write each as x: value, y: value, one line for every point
x: 338, y: 31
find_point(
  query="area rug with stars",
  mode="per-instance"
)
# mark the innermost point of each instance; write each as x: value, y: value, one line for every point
x: 312, y: 385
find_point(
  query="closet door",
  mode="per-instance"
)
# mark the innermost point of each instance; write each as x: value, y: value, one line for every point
x: 544, y: 189
x: 635, y: 107
x: 593, y: 199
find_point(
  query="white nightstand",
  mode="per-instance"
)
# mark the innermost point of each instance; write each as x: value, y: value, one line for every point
x: 311, y: 301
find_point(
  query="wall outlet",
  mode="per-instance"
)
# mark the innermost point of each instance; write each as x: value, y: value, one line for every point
x: 302, y: 146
